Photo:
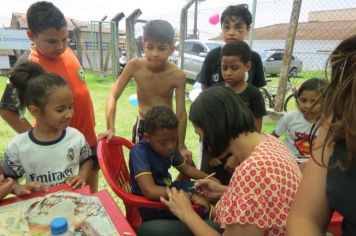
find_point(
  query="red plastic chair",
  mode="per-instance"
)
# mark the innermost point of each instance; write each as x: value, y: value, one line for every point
x: 334, y: 226
x: 112, y: 163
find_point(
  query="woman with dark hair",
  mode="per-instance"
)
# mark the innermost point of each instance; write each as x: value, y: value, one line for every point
x: 262, y: 188
x: 329, y: 179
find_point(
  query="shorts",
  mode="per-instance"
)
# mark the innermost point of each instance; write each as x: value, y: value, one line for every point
x: 138, y: 130
x: 94, y: 158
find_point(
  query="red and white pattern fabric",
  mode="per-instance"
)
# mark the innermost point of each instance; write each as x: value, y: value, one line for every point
x: 261, y: 189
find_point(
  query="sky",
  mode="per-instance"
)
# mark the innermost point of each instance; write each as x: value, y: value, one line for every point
x: 268, y: 11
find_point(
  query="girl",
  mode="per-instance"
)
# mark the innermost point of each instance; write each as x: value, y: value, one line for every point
x: 298, y: 123
x: 52, y: 152
x: 263, y: 185
x: 329, y: 179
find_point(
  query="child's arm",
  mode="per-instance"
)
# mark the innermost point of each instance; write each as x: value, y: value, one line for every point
x: 258, y: 123
x: 13, y: 119
x: 182, y: 116
x: 281, y: 127
x: 114, y: 95
x: 149, y: 189
x: 6, y: 186
x: 193, y: 173
x: 78, y: 181
x: 35, y: 186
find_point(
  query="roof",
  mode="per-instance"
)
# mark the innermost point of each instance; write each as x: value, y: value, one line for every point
x: 336, y: 24
x: 348, y: 14
x: 84, y: 25
x: 7, y: 52
x: 328, y: 30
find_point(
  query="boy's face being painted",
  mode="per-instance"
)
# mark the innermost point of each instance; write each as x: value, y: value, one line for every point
x: 50, y: 42
x: 157, y: 53
x: 233, y: 70
x: 234, y: 29
x: 163, y: 141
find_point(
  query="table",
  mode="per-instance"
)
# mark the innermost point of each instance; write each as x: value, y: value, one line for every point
x: 115, y: 214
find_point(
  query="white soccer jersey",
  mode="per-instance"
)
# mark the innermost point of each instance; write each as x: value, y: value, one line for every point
x: 49, y: 162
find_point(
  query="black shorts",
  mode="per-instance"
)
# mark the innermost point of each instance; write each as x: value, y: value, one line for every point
x: 94, y: 158
x: 138, y: 130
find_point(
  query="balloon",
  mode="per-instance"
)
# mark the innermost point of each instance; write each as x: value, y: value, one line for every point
x: 194, y: 94
x: 133, y: 100
x: 214, y: 19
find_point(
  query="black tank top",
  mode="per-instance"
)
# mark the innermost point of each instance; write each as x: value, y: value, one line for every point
x: 341, y: 189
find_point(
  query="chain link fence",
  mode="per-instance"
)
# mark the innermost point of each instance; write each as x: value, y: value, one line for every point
x: 322, y: 25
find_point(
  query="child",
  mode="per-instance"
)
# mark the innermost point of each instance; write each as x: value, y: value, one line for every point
x: 51, y: 152
x: 298, y: 123
x: 156, y: 80
x: 48, y: 32
x: 151, y: 158
x: 235, y: 63
x: 235, y: 24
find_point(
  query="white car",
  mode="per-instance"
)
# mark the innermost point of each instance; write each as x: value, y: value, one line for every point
x: 195, y: 51
x: 273, y: 59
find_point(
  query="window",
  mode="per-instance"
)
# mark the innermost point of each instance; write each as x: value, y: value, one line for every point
x: 197, y: 48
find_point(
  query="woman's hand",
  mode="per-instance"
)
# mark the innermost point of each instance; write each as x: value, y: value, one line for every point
x: 209, y: 189
x: 178, y: 203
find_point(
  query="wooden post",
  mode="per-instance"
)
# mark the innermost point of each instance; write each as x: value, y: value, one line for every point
x: 130, y: 34
x: 117, y: 18
x: 195, y: 29
x: 16, y: 25
x: 108, y: 54
x: 77, y: 38
x: 83, y: 47
x: 292, y: 31
x: 183, y: 31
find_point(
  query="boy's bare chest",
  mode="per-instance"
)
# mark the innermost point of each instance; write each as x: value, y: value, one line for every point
x: 154, y: 83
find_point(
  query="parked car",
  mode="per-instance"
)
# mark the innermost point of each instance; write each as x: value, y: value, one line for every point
x: 195, y: 51
x: 273, y: 59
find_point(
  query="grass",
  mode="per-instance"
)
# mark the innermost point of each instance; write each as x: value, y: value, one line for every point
x: 99, y: 87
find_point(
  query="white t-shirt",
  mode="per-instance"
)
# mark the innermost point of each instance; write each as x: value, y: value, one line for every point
x: 49, y: 162
x: 298, y: 129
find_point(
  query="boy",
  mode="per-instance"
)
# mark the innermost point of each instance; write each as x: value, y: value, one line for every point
x: 48, y: 32
x: 235, y: 24
x: 235, y: 63
x: 151, y: 159
x: 156, y: 80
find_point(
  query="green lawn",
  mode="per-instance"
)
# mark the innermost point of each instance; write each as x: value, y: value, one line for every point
x: 126, y: 113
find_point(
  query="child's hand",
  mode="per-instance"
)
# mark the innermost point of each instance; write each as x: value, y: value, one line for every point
x: 231, y: 164
x: 76, y: 181
x: 109, y: 134
x: 35, y: 186
x: 201, y: 201
x: 214, y: 162
x: 187, y: 155
x: 5, y: 186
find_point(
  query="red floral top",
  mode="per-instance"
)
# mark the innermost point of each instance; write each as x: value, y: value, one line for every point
x: 261, y: 189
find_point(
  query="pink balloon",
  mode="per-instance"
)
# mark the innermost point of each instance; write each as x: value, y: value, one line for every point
x: 214, y: 19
